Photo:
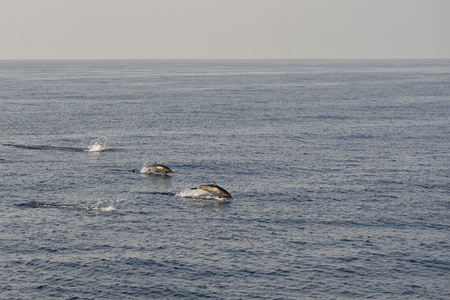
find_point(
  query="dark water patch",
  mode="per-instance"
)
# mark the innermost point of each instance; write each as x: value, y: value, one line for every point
x: 158, y: 193
x: 124, y: 171
x: 35, y: 204
x: 108, y: 206
x: 45, y: 147
x: 60, y: 148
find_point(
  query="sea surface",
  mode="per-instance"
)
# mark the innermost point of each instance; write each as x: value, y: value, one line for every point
x: 339, y: 172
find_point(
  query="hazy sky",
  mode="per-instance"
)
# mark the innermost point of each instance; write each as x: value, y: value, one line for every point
x: 228, y: 29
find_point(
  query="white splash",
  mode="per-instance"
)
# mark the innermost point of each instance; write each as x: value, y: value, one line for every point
x: 202, y: 198
x: 107, y: 205
x: 98, y: 145
x: 144, y: 168
x: 196, y: 193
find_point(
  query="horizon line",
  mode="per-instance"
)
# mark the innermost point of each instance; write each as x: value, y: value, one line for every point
x: 210, y: 59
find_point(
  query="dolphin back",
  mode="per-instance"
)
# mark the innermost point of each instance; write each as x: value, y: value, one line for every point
x: 215, y: 190
x: 157, y: 168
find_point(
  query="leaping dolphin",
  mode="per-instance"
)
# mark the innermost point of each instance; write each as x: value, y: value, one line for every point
x: 157, y: 168
x: 214, y: 189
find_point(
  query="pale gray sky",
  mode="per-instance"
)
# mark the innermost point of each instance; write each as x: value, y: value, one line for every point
x: 226, y: 29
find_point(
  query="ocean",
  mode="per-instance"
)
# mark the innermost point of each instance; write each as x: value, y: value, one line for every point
x: 339, y: 172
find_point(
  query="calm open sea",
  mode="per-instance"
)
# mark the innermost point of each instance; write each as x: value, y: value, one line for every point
x: 339, y: 170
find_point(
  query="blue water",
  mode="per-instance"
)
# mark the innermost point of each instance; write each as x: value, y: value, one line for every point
x: 339, y: 170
